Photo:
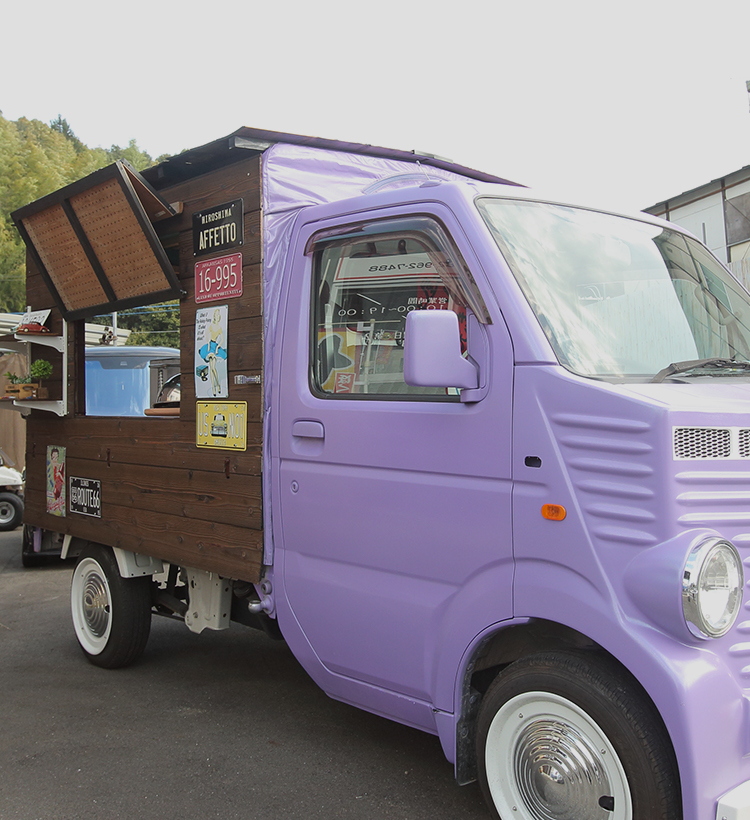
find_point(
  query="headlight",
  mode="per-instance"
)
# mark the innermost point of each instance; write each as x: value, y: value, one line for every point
x: 712, y: 584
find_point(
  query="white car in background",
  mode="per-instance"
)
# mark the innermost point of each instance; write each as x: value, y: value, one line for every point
x: 11, y: 495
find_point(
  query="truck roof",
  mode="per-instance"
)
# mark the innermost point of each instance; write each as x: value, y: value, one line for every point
x: 245, y: 142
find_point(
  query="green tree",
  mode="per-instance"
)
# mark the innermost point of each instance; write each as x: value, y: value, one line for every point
x: 157, y: 324
x: 133, y: 154
x: 12, y: 271
x: 62, y: 126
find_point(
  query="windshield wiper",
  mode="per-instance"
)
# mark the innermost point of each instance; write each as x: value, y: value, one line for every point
x: 699, y: 364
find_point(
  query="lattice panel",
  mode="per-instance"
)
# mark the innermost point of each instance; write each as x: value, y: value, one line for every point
x: 118, y: 240
x: 64, y: 258
x: 95, y: 246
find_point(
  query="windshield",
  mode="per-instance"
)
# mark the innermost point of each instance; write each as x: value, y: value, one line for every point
x: 619, y: 297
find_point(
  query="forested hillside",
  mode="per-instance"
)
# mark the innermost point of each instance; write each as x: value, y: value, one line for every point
x: 36, y: 159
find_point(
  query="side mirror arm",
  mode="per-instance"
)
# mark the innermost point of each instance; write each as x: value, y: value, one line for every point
x: 479, y: 347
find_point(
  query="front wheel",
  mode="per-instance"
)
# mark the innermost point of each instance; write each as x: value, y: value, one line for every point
x: 111, y: 614
x: 564, y: 736
x: 11, y: 511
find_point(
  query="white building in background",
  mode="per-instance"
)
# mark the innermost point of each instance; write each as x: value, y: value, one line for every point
x: 94, y: 332
x: 719, y: 214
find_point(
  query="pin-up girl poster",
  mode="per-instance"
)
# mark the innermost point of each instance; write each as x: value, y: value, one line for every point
x: 211, y: 377
x: 56, y: 480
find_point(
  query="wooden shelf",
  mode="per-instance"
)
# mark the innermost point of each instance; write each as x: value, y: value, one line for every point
x: 18, y: 343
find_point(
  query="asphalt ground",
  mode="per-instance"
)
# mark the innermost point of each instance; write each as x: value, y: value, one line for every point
x: 222, y: 724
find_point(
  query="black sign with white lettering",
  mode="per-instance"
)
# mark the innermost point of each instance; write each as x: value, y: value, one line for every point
x: 218, y: 229
x: 85, y: 496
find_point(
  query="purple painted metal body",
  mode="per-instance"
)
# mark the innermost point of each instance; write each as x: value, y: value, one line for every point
x: 406, y: 534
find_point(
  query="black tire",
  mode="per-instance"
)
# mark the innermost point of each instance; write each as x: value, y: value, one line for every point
x: 564, y: 735
x: 11, y: 511
x: 111, y: 614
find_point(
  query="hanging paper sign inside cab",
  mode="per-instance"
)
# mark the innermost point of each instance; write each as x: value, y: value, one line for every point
x: 218, y: 229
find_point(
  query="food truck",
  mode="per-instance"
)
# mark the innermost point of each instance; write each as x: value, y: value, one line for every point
x: 480, y: 457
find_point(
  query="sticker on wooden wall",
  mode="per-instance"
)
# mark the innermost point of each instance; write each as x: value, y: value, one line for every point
x: 55, y: 480
x: 221, y: 424
x: 211, y: 375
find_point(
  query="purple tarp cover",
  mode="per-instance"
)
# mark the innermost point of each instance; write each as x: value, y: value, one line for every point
x: 298, y: 176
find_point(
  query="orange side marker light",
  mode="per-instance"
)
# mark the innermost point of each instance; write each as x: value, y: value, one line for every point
x: 554, y: 512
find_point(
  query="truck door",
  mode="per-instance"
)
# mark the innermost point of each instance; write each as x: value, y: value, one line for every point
x: 394, y: 500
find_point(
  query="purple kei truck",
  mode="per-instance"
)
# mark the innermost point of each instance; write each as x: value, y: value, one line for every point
x: 504, y: 444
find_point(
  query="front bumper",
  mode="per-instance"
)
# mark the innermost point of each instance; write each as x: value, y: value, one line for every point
x: 735, y: 805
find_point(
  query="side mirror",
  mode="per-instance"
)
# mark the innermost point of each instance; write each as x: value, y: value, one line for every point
x: 432, y: 351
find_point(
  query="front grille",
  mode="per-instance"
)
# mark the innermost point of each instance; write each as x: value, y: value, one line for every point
x: 744, y: 436
x: 703, y: 442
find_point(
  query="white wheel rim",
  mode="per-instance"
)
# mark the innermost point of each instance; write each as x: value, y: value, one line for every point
x: 91, y: 605
x: 7, y: 512
x: 546, y: 759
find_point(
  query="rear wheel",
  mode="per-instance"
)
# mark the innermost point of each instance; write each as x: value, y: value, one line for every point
x: 563, y: 736
x: 11, y: 511
x: 111, y: 614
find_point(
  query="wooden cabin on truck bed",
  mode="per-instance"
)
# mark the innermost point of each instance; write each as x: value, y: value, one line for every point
x: 198, y: 228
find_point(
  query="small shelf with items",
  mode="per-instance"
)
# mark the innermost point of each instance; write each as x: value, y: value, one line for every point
x: 19, y: 342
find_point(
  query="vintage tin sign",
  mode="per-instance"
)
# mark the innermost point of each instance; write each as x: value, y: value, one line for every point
x: 211, y: 350
x: 55, y: 480
x: 219, y: 278
x: 221, y: 424
x: 85, y: 496
x: 218, y: 229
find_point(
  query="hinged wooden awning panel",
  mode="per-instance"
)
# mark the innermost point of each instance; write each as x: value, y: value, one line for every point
x: 95, y: 245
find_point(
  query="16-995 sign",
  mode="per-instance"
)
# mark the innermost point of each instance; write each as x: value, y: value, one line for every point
x: 219, y: 278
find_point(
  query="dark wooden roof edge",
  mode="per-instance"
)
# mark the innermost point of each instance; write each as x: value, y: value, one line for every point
x: 248, y: 141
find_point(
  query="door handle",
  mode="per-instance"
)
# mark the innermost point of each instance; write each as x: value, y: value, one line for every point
x: 308, y: 429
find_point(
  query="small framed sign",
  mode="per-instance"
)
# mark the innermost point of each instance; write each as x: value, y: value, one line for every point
x: 85, y: 496
x: 219, y: 228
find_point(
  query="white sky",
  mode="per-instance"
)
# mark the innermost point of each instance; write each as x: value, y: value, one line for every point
x: 615, y: 104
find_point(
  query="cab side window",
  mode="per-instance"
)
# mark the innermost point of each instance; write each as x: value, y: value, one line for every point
x: 366, y: 279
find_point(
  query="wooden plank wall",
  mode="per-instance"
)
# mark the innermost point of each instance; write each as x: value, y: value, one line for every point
x: 162, y: 495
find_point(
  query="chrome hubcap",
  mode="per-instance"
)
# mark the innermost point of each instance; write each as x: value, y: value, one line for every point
x: 560, y: 774
x: 96, y: 607
x: 547, y: 759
